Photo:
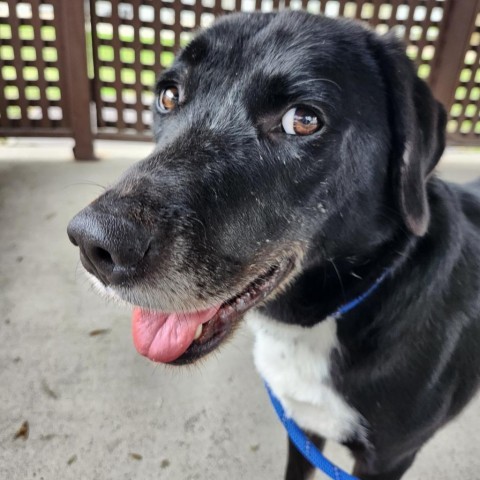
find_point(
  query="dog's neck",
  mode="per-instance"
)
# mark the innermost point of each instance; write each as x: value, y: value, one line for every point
x: 325, y: 285
x: 321, y: 289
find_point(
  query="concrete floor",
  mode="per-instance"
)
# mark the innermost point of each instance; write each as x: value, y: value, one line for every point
x: 95, y: 408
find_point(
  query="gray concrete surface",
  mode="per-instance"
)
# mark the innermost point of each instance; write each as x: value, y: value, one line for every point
x: 95, y: 408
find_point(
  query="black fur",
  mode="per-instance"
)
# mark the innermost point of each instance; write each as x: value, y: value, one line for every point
x: 227, y: 193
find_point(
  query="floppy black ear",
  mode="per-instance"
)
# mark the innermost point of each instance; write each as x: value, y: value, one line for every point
x: 417, y: 124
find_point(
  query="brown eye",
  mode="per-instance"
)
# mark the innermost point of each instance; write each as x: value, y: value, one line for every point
x: 167, y: 100
x: 301, y: 121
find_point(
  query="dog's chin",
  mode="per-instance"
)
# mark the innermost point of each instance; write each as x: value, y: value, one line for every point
x: 182, y: 337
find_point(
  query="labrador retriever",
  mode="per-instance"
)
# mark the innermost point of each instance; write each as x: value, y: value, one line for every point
x: 292, y: 179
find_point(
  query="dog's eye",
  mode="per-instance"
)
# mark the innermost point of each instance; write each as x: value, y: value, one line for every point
x: 301, y: 121
x: 167, y: 100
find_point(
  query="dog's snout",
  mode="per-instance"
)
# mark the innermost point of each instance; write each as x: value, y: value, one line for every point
x: 111, y: 247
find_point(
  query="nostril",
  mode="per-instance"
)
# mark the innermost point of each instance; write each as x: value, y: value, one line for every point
x: 101, y: 258
x: 111, y: 247
x: 102, y: 255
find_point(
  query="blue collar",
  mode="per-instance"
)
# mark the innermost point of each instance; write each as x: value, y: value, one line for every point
x: 347, y: 307
x: 296, y: 434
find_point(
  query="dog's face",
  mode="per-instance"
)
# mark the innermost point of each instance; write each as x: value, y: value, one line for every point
x: 281, y: 140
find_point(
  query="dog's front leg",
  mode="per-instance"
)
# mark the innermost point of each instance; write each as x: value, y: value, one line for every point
x: 363, y: 472
x: 298, y: 467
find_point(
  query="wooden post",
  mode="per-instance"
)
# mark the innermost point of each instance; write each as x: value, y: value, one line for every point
x: 453, y: 43
x: 76, y: 81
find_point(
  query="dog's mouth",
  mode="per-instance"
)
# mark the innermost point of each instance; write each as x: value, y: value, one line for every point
x: 180, y: 338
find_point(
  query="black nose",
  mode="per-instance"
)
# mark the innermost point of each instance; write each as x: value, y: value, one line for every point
x: 111, y: 248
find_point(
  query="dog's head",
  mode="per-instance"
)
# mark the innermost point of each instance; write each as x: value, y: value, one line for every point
x: 281, y: 139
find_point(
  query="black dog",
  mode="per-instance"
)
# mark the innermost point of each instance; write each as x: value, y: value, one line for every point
x: 292, y: 173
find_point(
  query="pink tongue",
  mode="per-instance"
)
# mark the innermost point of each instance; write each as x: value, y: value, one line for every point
x: 163, y: 337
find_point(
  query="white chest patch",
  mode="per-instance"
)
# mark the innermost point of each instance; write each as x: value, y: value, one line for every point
x: 295, y: 362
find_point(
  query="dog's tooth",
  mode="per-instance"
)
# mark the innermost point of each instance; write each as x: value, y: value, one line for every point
x: 226, y: 311
x: 241, y: 302
x: 198, y: 331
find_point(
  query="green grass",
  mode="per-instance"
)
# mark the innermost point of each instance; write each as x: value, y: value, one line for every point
x: 423, y: 71
x: 5, y: 32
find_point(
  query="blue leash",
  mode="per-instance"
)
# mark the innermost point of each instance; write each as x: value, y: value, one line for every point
x: 304, y: 445
x: 296, y: 434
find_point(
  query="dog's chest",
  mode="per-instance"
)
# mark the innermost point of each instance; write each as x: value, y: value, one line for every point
x: 295, y: 362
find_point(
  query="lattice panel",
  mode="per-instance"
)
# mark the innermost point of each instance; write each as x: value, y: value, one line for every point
x: 465, y: 113
x: 30, y: 83
x: 418, y: 22
x: 132, y: 40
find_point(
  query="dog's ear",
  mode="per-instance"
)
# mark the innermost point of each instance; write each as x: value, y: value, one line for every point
x: 417, y: 123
